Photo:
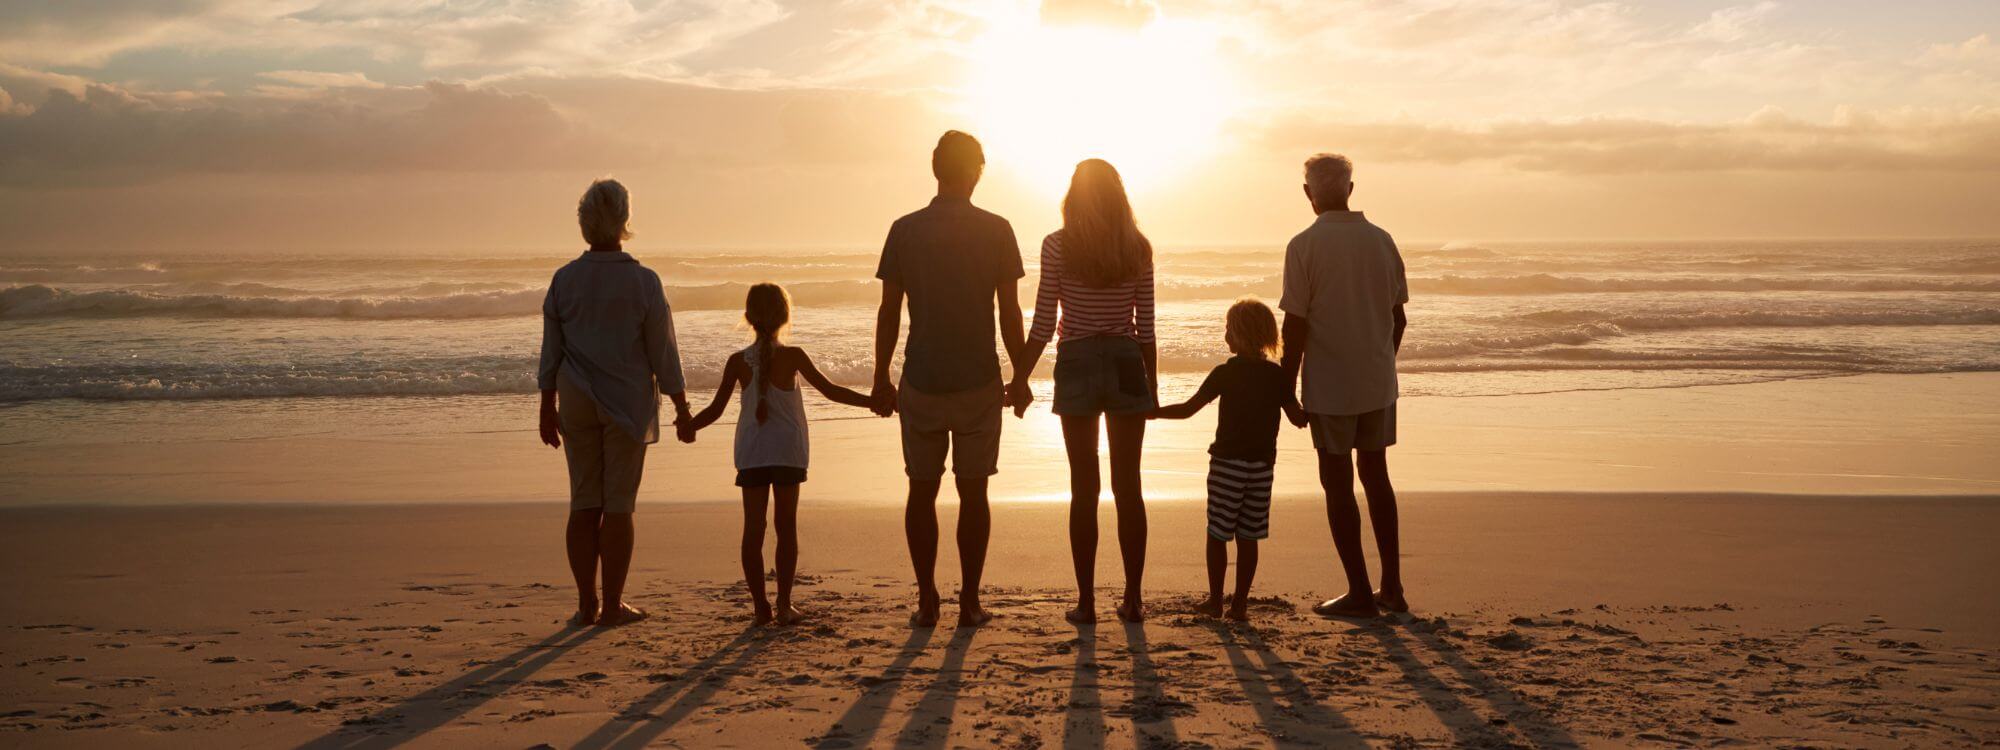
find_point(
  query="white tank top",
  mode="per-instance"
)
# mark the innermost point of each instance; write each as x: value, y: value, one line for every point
x: 780, y: 440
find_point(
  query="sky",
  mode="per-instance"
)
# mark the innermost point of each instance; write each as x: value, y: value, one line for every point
x: 157, y: 126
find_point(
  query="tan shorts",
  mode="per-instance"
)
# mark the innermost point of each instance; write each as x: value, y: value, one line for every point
x: 1340, y: 433
x: 966, y: 424
x: 604, y: 461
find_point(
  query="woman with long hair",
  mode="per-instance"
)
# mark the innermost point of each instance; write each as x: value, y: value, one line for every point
x: 608, y: 354
x: 1097, y: 296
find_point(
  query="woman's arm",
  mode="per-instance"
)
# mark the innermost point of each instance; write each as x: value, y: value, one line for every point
x: 1142, y: 319
x: 732, y: 373
x: 1048, y: 293
x: 839, y: 394
x: 550, y: 425
x: 663, y: 352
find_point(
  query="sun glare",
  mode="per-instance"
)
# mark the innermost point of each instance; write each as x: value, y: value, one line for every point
x: 1148, y: 100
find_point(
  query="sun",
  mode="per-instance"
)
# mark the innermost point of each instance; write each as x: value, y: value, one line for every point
x: 1150, y: 100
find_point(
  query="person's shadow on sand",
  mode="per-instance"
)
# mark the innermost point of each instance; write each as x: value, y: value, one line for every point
x: 1470, y: 729
x: 433, y: 708
x: 1285, y: 706
x: 1152, y: 713
x: 638, y: 725
x: 1083, y: 727
x: 857, y: 726
x: 930, y: 720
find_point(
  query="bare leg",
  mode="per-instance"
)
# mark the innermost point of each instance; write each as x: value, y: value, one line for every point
x: 1218, y: 567
x: 754, y: 499
x: 1127, y: 435
x: 1373, y: 466
x: 581, y: 540
x: 1246, y: 571
x: 920, y: 526
x: 787, y: 496
x: 1080, y: 442
x: 1336, y: 475
x: 975, y: 525
x: 614, y: 546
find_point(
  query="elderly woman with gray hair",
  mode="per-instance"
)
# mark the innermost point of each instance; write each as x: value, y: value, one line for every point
x: 608, y: 353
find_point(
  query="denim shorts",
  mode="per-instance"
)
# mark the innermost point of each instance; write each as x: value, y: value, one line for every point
x: 1101, y: 375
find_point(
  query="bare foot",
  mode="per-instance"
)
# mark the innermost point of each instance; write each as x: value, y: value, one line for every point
x: 974, y: 617
x: 625, y: 614
x: 926, y: 615
x: 583, y: 618
x: 1348, y: 605
x: 763, y: 616
x: 1131, y: 612
x: 1081, y: 615
x: 1211, y: 608
x: 1237, y: 613
x: 790, y: 615
x: 1392, y: 601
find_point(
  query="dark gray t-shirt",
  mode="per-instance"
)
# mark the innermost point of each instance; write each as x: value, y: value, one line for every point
x: 949, y: 258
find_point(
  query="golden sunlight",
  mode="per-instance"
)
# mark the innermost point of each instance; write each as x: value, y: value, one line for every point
x: 1149, y: 100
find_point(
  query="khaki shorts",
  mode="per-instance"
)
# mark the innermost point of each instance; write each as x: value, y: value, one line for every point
x: 965, y: 424
x: 1340, y: 433
x: 604, y: 461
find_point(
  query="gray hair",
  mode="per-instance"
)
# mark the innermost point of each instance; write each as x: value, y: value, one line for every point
x: 602, y: 213
x: 1328, y: 174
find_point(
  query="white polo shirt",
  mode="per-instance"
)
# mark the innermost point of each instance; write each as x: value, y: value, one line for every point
x: 1344, y: 276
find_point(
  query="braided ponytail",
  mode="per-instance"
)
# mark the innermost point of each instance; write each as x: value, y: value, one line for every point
x: 768, y: 310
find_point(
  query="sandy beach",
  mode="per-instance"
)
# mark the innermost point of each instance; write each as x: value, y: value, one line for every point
x: 1666, y: 620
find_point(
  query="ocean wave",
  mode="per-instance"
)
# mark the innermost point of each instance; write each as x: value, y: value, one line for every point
x: 1542, y: 283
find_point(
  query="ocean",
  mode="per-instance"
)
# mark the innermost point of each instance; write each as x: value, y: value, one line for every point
x: 1486, y: 319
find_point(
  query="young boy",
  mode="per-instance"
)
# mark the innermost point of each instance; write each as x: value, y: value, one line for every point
x: 1253, y: 389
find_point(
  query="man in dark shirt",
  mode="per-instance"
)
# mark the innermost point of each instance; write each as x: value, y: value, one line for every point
x: 953, y: 261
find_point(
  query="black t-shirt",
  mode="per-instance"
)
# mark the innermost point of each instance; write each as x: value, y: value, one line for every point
x: 1254, y: 392
x: 950, y: 258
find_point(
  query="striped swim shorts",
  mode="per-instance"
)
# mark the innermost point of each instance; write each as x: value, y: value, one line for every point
x: 1239, y: 499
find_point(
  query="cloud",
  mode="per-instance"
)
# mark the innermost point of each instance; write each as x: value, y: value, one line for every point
x: 1769, y: 141
x: 1124, y: 14
x: 107, y: 135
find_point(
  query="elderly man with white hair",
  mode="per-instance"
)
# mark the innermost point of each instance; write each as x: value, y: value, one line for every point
x: 608, y: 354
x: 1344, y: 292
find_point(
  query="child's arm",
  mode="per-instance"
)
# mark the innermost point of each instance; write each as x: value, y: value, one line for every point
x: 1206, y: 393
x: 836, y: 393
x: 732, y: 373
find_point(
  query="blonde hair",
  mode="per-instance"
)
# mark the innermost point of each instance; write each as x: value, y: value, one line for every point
x: 603, y: 212
x: 768, y: 310
x: 1101, y: 241
x: 1251, y: 327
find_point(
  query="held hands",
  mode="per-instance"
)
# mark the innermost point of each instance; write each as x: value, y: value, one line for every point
x: 1017, y: 395
x: 683, y: 424
x: 883, y: 397
x: 1295, y: 413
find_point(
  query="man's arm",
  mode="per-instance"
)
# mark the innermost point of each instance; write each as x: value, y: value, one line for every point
x: 1017, y: 393
x: 888, y: 328
x: 1402, y: 322
x: 1296, y: 332
x: 663, y: 352
x: 545, y: 375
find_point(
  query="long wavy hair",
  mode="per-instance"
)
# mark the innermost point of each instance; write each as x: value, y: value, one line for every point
x: 768, y: 309
x: 1102, y: 245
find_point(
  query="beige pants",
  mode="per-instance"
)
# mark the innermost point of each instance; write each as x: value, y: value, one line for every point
x: 604, y: 461
x: 966, y: 424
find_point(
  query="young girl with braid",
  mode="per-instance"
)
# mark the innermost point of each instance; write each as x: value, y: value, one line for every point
x: 771, y: 443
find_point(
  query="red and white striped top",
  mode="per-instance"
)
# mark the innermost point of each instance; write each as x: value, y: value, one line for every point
x: 1121, y: 310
